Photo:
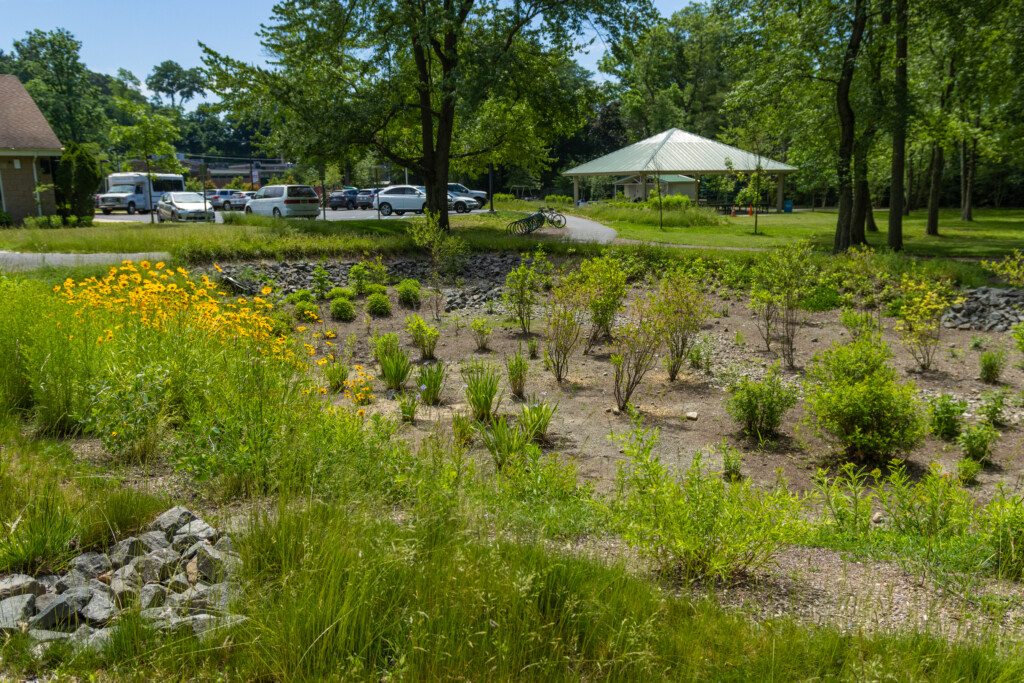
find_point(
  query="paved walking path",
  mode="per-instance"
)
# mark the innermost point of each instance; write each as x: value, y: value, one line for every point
x: 15, y: 261
x: 586, y: 230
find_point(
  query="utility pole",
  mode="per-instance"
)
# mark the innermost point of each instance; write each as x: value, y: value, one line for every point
x: 490, y: 185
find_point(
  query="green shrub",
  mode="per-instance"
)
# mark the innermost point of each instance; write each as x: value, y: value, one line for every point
x: 859, y: 324
x: 945, y: 416
x: 358, y: 278
x: 856, y: 400
x: 602, y: 284
x: 321, y: 282
x: 378, y: 305
x: 306, y: 312
x: 376, y: 289
x: 430, y: 380
x: 698, y: 527
x: 821, y: 298
x: 385, y: 345
x: 341, y: 293
x: 978, y: 441
x: 423, y: 335
x: 732, y: 461
x: 1003, y: 534
x: 637, y: 340
x: 521, y: 288
x: 482, y: 330
x: 5, y: 220
x: 701, y: 353
x: 342, y: 309
x: 967, y: 470
x: 300, y: 296
x: 759, y: 406
x: 565, y: 329
x: 409, y: 293
x: 991, y: 365
x: 482, y: 381
x: 993, y: 407
x: 129, y: 413
x: 682, y: 308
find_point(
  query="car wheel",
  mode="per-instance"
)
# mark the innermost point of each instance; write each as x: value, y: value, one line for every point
x: 460, y: 207
x: 159, y: 218
x: 334, y: 207
x: 277, y: 212
x: 131, y: 208
x: 423, y: 209
x: 106, y: 212
x: 248, y: 211
x: 399, y: 213
x: 226, y: 207
x: 351, y: 205
x: 385, y: 209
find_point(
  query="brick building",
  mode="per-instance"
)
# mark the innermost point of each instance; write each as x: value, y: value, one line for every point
x: 29, y: 151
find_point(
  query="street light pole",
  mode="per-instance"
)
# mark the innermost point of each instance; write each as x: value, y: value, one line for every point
x: 490, y: 185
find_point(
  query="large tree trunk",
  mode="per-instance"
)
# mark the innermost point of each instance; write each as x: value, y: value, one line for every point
x: 966, y: 200
x: 861, y: 191
x: 935, y: 190
x: 847, y: 130
x: 897, y: 205
x: 908, y: 205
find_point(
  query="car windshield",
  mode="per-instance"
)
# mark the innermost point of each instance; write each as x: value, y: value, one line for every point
x: 187, y: 197
x: 122, y: 189
x: 301, y: 191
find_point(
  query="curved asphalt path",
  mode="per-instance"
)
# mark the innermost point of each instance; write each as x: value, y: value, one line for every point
x: 11, y: 261
x: 586, y: 230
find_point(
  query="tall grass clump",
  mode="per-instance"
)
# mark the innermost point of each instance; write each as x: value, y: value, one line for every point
x: 517, y: 368
x: 431, y: 379
x: 482, y: 383
x: 395, y: 368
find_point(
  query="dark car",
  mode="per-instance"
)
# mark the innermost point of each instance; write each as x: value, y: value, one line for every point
x: 342, y: 198
x: 364, y: 200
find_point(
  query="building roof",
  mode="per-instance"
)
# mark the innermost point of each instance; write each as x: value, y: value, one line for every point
x: 676, y: 151
x: 665, y: 178
x: 22, y: 125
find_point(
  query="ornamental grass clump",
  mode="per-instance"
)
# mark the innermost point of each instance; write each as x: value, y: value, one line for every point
x: 431, y: 379
x: 482, y: 382
x: 535, y: 417
x: 517, y: 368
x: 759, y: 406
x: 423, y: 335
x: 505, y: 442
x: 682, y: 308
x: 920, y: 314
x: 991, y: 365
x: 637, y: 340
x: 407, y: 406
x: 395, y: 368
x: 336, y: 374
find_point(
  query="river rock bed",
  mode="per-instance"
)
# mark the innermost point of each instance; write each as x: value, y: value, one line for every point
x: 987, y: 309
x: 178, y: 575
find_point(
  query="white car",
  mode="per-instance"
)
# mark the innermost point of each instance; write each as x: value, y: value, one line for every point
x: 288, y: 201
x: 398, y: 199
x: 237, y: 200
x: 183, y: 206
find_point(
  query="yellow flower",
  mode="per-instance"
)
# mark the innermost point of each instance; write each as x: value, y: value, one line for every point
x: 219, y: 269
x: 144, y: 265
x: 159, y: 265
x: 361, y: 413
x: 265, y: 291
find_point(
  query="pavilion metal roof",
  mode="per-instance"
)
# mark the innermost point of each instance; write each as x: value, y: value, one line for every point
x: 678, y: 152
x: 665, y: 178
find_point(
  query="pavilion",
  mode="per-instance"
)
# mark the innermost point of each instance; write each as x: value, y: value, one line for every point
x: 678, y: 153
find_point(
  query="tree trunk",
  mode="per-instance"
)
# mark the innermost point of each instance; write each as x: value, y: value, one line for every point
x: 861, y: 191
x: 870, y: 225
x: 935, y: 190
x: 897, y: 205
x: 847, y: 130
x: 908, y: 204
x: 967, y: 202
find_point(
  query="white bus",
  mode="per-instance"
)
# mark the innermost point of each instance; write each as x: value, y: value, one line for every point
x: 133, y: 192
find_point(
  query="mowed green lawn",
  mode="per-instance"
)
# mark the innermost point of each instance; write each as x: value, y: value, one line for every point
x: 993, y: 232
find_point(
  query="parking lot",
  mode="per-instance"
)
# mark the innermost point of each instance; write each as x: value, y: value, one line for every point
x: 339, y: 215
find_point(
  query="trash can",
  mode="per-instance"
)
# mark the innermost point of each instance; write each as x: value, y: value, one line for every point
x: 787, y: 206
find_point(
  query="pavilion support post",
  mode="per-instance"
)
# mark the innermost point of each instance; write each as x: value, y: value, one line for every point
x: 575, y: 190
x: 780, y: 191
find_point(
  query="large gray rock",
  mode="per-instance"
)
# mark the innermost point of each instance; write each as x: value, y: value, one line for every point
x: 196, y: 624
x: 43, y: 601
x: 92, y: 564
x: 73, y: 579
x: 192, y: 532
x: 125, y: 589
x: 158, y: 617
x: 224, y: 544
x: 158, y: 565
x: 100, y: 610
x: 20, y: 584
x: 214, y: 565
x: 127, y: 550
x: 152, y: 595
x: 173, y: 519
x: 46, y: 636
x: 178, y: 583
x: 16, y: 610
x: 65, y: 612
x: 155, y: 540
x: 99, y: 586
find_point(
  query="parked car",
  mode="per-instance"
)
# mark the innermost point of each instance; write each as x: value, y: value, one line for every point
x: 217, y: 198
x: 398, y: 199
x: 343, y: 198
x: 463, y: 203
x: 452, y: 201
x: 460, y: 190
x: 300, y: 201
x: 183, y: 206
x: 364, y: 200
x: 237, y: 200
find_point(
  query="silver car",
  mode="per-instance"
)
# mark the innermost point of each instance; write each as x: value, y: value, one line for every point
x: 183, y: 206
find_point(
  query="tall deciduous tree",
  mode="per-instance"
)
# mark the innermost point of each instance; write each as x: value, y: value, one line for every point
x: 478, y: 81
x: 77, y: 177
x: 175, y: 82
x: 151, y: 138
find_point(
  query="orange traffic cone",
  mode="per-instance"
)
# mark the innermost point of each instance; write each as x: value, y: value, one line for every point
x: 733, y: 213
x: 751, y: 213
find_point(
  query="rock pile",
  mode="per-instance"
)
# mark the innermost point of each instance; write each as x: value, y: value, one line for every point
x: 987, y: 309
x: 177, y: 574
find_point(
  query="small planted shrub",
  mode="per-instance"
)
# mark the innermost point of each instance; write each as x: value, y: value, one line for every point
x: 602, y: 284
x: 992, y: 364
x: 565, y: 330
x: 482, y: 381
x: 378, y: 305
x: 343, y: 310
x: 682, y: 309
x: 517, y: 368
x: 306, y: 312
x: 919, y: 324
x: 993, y: 407
x: 701, y: 353
x: 341, y: 293
x: 978, y: 441
x: 423, y: 335
x: 859, y: 323
x: 409, y: 293
x: 967, y: 470
x: 855, y: 399
x: 758, y: 406
x: 637, y: 341
x: 522, y: 286
x: 395, y: 368
x: 430, y: 379
x: 946, y: 416
x: 321, y: 282
x: 535, y: 417
x: 301, y: 295
x: 372, y: 289
x: 732, y: 462
x: 482, y: 330
x: 531, y: 346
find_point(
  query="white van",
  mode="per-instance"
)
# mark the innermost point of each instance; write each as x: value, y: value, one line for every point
x: 134, y: 192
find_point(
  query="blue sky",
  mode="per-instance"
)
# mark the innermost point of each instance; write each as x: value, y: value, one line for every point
x: 134, y: 35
